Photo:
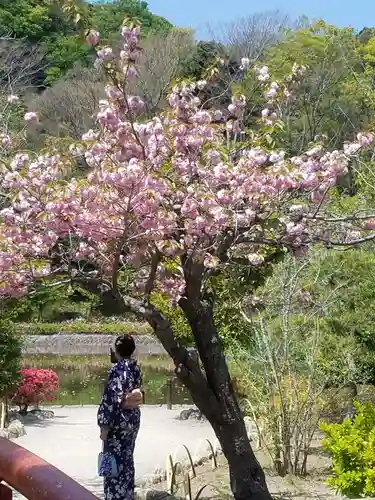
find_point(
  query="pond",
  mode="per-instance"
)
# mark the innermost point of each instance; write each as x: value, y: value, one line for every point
x: 82, y: 378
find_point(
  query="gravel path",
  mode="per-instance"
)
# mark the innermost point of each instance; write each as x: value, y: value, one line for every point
x: 70, y: 442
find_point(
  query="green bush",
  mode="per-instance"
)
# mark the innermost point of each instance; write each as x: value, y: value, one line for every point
x: 10, y: 357
x: 352, y: 447
x: 84, y: 328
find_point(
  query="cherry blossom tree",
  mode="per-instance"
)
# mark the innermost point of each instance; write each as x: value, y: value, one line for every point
x: 173, y: 202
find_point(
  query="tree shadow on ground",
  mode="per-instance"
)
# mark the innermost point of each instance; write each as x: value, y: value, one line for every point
x: 43, y: 423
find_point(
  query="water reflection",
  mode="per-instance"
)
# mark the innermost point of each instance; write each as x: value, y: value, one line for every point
x: 82, y: 378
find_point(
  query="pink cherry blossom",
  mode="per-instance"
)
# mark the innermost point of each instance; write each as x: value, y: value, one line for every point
x: 263, y: 74
x: 245, y: 63
x: 255, y: 259
x: 92, y: 38
x: 170, y: 188
x: 31, y: 116
x: 364, y: 139
x: 5, y: 140
x: 105, y: 54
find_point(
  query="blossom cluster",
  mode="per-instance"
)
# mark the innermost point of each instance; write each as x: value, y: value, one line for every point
x: 275, y: 92
x: 36, y: 386
x: 161, y: 189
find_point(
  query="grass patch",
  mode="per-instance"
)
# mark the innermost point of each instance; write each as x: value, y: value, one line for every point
x: 82, y: 378
x: 83, y: 328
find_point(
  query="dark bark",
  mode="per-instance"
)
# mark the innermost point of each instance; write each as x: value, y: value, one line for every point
x: 23, y: 409
x: 246, y: 475
x: 247, y: 478
x: 350, y: 393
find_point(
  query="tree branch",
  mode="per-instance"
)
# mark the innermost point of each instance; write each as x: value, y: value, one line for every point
x: 193, y: 267
x: 155, y: 259
x: 200, y: 317
x: 348, y: 218
x: 187, y: 370
x: 365, y: 239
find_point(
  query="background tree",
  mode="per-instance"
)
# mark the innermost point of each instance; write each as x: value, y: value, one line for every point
x: 159, y: 66
x: 68, y: 106
x: 291, y: 367
x: 365, y: 35
x: 349, y: 313
x: 108, y: 17
x: 252, y: 36
x: 10, y: 357
x: 56, y: 28
x: 203, y: 56
x: 336, y: 89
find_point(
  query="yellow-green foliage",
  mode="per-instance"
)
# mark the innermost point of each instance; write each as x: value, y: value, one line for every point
x: 352, y: 447
x: 175, y: 315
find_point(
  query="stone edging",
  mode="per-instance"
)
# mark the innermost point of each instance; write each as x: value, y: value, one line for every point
x: 150, y: 494
x: 73, y: 344
x: 160, y: 474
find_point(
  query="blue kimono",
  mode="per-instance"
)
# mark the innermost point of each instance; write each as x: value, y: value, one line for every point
x: 123, y: 425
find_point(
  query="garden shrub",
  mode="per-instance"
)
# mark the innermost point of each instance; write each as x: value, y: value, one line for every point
x: 352, y: 447
x: 36, y: 386
x: 10, y: 356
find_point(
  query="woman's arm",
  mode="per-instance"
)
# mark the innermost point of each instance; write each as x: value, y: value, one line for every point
x: 136, y: 397
x: 111, y: 400
x: 132, y: 399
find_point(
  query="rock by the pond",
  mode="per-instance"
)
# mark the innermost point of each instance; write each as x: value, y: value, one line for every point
x: 17, y: 421
x: 14, y: 415
x: 31, y: 416
x: 41, y: 414
x: 191, y: 414
x: 4, y: 433
x: 16, y: 429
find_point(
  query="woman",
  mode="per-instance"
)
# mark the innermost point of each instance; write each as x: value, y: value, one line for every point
x: 119, y: 418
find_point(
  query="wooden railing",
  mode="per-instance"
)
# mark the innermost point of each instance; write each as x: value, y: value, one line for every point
x: 35, y: 478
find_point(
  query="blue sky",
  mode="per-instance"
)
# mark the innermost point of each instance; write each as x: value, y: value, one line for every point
x: 198, y: 14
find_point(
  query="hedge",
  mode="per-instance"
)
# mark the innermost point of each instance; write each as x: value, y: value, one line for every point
x: 83, y: 328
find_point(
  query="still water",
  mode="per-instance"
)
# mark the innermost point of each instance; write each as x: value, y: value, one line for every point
x: 82, y: 378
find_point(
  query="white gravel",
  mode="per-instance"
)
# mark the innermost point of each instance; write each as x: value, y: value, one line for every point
x: 70, y: 441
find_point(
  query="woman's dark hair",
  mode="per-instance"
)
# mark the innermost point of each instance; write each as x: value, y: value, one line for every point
x: 125, y: 346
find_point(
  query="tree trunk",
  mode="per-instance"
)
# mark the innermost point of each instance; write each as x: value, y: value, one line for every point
x: 3, y: 415
x: 23, y: 409
x: 350, y: 395
x: 247, y: 479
